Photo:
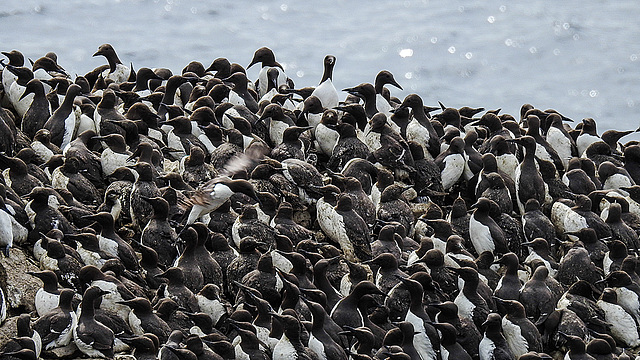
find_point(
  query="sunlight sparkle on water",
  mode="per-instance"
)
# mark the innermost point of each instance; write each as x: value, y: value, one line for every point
x: 405, y: 53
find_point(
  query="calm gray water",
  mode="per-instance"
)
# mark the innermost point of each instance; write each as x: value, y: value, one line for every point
x: 579, y: 57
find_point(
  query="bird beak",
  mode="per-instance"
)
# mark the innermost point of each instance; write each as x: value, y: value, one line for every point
x: 395, y: 83
x: 24, y: 94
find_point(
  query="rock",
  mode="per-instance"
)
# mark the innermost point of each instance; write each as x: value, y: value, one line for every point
x: 20, y: 287
x: 124, y: 357
x: 8, y: 330
x: 61, y: 352
x: 410, y: 194
x: 303, y: 218
x: 431, y: 210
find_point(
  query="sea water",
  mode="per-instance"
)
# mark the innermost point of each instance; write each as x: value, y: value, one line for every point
x: 581, y: 58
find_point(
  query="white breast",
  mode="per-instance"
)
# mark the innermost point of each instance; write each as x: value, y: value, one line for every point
x: 453, y: 169
x: 558, y: 214
x: 7, y: 176
x: 574, y: 222
x: 240, y: 354
x: 276, y: 131
x: 220, y: 194
x: 263, y: 81
x: 339, y: 229
x: 634, y: 207
x: 508, y: 163
x: 606, y: 263
x: 155, y: 134
x: 86, y: 123
x: 279, y: 284
x: 47, y: 263
x: 561, y: 144
x: 227, y: 123
x: 534, y: 256
x: 480, y: 236
x: 38, y: 250
x: 326, y: 216
x: 42, y: 152
x: 235, y: 99
x: 69, y: 128
x: 327, y: 94
x: 284, y: 350
x: 109, y: 246
x: 6, y: 229
x: 517, y: 183
x: 345, y: 285
x: 58, y: 179
x: 542, y: 153
x: 584, y: 141
x: 468, y: 173
x: 235, y: 231
x: 20, y: 233
x: 623, y: 327
x: 449, y: 258
x: 110, y: 300
x: 97, y: 120
x: 383, y: 105
x: 375, y: 195
x: 281, y: 262
x: 263, y: 335
x: 207, y: 143
x: 418, y: 133
x: 15, y: 91
x: 465, y: 307
x: 629, y: 301
x: 486, y: 348
x: 421, y: 341
x: 8, y: 78
x: 45, y: 301
x: 173, y: 141
x: 119, y: 75
x: 439, y: 244
x: 116, y: 209
x: 444, y: 353
x: 372, y: 140
x: 90, y: 257
x: 317, y: 347
x: 143, y: 93
x: 413, y: 257
x: 136, y: 324
x: 269, y: 95
x: 326, y: 139
x: 615, y: 182
x: 112, y: 160
x: 66, y: 335
x: 87, y: 349
x: 513, y: 334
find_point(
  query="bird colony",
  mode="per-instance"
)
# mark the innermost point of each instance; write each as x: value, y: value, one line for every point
x: 202, y: 215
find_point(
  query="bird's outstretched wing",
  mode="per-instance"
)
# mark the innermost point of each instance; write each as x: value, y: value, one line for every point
x: 246, y: 160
